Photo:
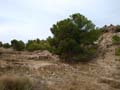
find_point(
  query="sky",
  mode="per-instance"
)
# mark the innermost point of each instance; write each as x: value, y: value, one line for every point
x: 31, y: 19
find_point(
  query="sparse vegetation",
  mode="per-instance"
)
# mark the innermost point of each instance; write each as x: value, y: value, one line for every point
x: 6, y: 45
x: 118, y: 28
x: 49, y: 73
x: 116, y: 39
x: 37, y: 44
x: 18, y: 45
x: 1, y: 44
x: 15, y: 83
x: 117, y: 51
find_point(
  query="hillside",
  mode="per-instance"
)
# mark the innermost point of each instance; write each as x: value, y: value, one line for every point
x: 102, y: 73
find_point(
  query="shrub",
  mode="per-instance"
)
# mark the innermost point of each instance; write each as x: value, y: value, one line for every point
x: 15, y: 83
x: 117, y: 51
x: 33, y: 47
x: 18, y: 45
x: 6, y: 45
x: 37, y: 44
x: 118, y: 28
x: 1, y: 44
x: 116, y: 39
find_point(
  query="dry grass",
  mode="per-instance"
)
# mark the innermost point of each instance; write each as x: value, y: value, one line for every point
x: 15, y: 83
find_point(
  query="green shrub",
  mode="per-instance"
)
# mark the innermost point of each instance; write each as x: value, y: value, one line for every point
x: 6, y: 45
x: 116, y: 39
x: 18, y: 45
x: 37, y: 44
x: 118, y: 28
x: 33, y: 47
x: 15, y: 83
x: 1, y: 44
x: 117, y: 51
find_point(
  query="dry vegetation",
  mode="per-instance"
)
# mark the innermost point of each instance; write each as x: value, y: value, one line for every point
x: 12, y: 82
x: 47, y: 73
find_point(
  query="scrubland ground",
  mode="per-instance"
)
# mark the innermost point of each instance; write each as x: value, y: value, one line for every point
x: 102, y: 73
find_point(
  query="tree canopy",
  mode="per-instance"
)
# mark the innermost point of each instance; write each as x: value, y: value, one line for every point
x: 73, y: 38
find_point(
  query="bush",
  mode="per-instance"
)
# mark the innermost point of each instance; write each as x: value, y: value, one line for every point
x: 33, y: 47
x: 1, y: 44
x: 37, y: 44
x: 15, y: 83
x: 18, y: 45
x: 117, y: 51
x: 118, y: 28
x: 6, y: 45
x: 116, y: 39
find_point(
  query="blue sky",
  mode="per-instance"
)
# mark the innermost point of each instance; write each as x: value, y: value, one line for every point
x: 31, y: 19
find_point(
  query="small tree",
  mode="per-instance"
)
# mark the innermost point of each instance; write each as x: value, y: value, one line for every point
x: 73, y: 38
